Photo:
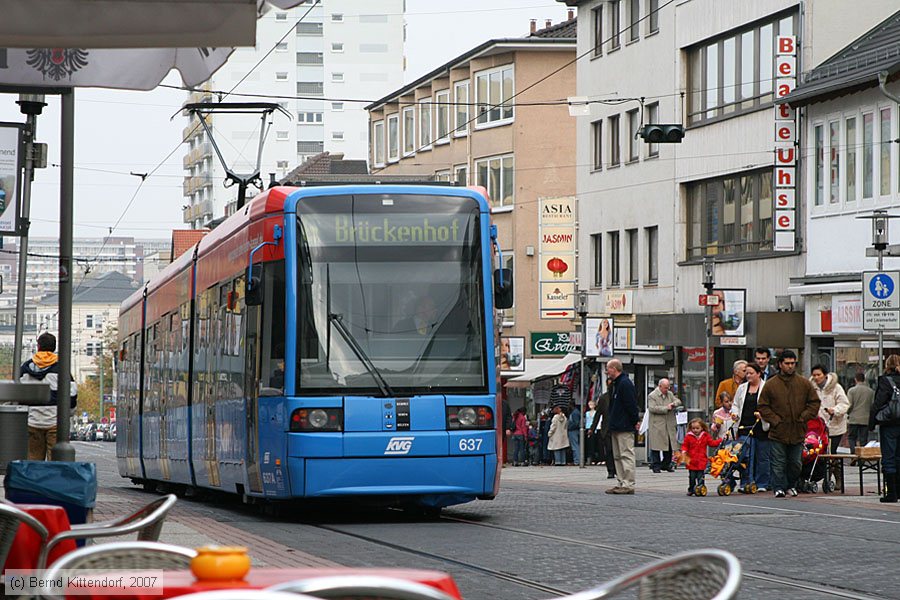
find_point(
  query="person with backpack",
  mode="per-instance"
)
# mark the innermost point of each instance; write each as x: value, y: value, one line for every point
x: 43, y: 367
x: 886, y: 415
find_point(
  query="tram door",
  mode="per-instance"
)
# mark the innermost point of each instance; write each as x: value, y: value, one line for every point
x: 212, y: 386
x: 251, y: 391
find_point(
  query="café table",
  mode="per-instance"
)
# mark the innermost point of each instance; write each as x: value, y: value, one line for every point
x: 26, y: 546
x: 182, y: 582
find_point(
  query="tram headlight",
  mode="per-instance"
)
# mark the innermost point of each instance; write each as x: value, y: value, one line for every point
x: 317, y: 419
x: 470, y: 417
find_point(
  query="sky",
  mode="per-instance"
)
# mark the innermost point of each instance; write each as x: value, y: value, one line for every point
x: 122, y: 132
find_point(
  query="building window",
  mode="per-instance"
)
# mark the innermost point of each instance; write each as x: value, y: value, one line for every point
x: 461, y: 99
x: 614, y: 24
x: 309, y: 58
x: 634, y: 264
x: 337, y: 77
x: 281, y: 47
x: 281, y: 135
x: 634, y: 18
x: 310, y: 147
x: 851, y: 143
x: 597, y: 253
x: 337, y: 135
x: 309, y: 29
x: 614, y: 279
x: 281, y: 16
x: 868, y: 154
x: 310, y: 88
x: 819, y: 164
x: 730, y: 216
x: 597, y: 30
x: 281, y: 76
x: 337, y: 46
x: 425, y: 124
x: 378, y: 143
x: 886, y: 142
x: 496, y: 174
x: 493, y: 89
x: 653, y: 117
x: 634, y: 152
x: 409, y: 130
x: 89, y: 321
x: 652, y: 235
x: 282, y: 164
x: 461, y: 174
x: 652, y: 16
x: 337, y: 17
x: 614, y: 143
x: 337, y: 106
x: 834, y: 152
x: 442, y: 99
x: 597, y: 143
x: 309, y: 117
x: 443, y: 176
x: 735, y: 71
x: 393, y: 137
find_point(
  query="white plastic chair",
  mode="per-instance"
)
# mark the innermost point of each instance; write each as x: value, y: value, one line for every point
x: 362, y: 586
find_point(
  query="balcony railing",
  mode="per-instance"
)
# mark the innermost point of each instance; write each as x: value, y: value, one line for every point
x: 197, y: 154
x: 197, y: 182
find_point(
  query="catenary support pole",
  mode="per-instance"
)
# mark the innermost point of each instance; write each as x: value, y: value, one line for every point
x: 880, y: 249
x: 581, y: 393
x: 30, y: 124
x: 64, y: 450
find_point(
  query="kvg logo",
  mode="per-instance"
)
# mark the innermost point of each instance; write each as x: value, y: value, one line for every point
x: 399, y: 445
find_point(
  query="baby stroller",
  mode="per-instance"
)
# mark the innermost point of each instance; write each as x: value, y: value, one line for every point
x: 730, y: 464
x: 814, y: 444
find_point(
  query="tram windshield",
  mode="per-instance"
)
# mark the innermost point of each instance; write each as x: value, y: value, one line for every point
x: 390, y: 295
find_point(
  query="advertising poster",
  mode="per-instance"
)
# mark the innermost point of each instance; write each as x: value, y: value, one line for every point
x: 600, y: 341
x: 557, y: 257
x: 512, y: 354
x: 728, y: 315
x: 9, y: 173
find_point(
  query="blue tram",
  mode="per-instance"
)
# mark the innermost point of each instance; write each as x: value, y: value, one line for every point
x: 322, y: 342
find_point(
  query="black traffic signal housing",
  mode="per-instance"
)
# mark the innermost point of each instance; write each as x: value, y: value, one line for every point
x: 662, y: 133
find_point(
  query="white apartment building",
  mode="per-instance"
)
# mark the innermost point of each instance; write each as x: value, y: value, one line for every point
x: 650, y: 214
x: 850, y: 143
x: 343, y: 50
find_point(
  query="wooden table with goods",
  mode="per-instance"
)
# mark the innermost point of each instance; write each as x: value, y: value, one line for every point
x: 866, y: 460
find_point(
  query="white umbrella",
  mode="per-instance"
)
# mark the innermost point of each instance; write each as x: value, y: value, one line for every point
x: 130, y: 23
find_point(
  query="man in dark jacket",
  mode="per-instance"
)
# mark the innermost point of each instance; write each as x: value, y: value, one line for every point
x: 623, y: 421
x: 601, y: 416
x: 787, y: 402
x: 44, y: 368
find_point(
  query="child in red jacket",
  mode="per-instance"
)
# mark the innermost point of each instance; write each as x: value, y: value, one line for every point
x: 693, y: 454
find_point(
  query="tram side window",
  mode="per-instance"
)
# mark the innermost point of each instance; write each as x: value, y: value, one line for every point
x: 273, y: 325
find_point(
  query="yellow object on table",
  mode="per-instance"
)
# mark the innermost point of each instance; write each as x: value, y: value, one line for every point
x: 220, y: 563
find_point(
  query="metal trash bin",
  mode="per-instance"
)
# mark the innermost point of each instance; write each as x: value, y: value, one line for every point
x: 15, y: 398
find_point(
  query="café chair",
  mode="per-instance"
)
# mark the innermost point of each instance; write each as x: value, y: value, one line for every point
x: 693, y: 575
x: 147, y: 522
x: 129, y: 556
x: 11, y: 518
x: 362, y: 586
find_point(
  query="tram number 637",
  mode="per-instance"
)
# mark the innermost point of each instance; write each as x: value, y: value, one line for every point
x: 469, y: 444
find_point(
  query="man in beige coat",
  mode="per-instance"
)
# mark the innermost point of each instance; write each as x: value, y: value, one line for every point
x: 662, y: 405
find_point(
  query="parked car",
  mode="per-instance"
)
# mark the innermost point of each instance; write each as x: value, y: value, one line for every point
x: 111, y: 433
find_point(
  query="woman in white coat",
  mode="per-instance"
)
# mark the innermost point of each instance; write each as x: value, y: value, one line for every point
x: 835, y: 404
x: 558, y: 438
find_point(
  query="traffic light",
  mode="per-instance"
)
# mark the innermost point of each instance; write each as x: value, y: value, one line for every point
x: 662, y: 133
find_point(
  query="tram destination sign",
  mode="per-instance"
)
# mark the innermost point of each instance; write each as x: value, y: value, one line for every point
x: 881, y: 300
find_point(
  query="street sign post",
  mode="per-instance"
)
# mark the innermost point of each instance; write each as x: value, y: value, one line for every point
x: 881, y: 300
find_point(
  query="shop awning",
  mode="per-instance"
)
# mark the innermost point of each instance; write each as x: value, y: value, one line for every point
x: 538, y: 368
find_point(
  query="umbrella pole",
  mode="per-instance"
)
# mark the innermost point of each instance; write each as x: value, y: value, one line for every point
x: 63, y: 450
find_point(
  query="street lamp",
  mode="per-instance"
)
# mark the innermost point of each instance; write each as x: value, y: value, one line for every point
x: 582, y: 312
x: 709, y: 281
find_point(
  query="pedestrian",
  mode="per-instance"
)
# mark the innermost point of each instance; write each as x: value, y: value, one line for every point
x: 507, y: 428
x: 43, y: 367
x: 600, y: 428
x: 590, y: 441
x: 662, y: 405
x: 861, y: 397
x: 889, y: 428
x: 787, y: 402
x: 751, y: 430
x: 834, y: 404
x: 694, y: 453
x: 737, y: 378
x: 623, y: 422
x: 520, y: 430
x: 762, y: 356
x: 573, y: 430
x: 558, y: 441
x: 724, y: 417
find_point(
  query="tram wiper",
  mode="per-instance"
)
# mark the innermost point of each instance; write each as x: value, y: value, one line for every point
x: 338, y: 322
